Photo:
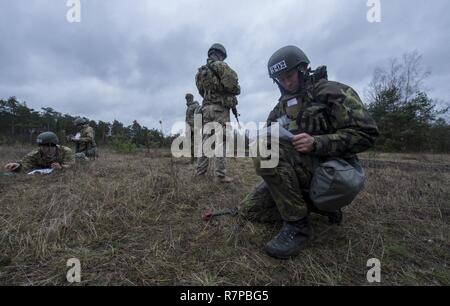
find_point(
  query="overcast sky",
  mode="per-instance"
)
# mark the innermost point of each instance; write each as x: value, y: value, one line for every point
x: 137, y: 59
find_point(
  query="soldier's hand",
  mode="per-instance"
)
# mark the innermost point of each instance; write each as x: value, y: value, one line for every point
x: 303, y: 143
x: 56, y: 166
x: 12, y: 167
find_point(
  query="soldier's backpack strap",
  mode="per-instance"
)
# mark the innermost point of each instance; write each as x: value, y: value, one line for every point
x: 203, y: 71
x: 320, y: 73
x: 224, y: 103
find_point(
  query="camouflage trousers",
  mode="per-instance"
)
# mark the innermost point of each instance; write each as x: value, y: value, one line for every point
x: 84, y: 155
x: 219, y: 162
x: 281, y: 194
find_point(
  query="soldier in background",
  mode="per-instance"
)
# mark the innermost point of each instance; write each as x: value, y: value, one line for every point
x: 192, y: 109
x: 218, y: 84
x: 49, y: 155
x: 85, y: 145
x: 327, y: 120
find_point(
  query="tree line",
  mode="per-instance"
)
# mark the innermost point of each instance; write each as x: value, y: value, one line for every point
x: 21, y: 124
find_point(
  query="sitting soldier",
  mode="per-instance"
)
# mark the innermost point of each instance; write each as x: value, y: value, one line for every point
x: 85, y: 145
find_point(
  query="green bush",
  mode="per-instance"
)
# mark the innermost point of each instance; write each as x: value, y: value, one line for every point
x: 123, y: 145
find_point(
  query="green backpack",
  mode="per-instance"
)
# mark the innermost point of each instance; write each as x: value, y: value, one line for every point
x: 207, y: 81
x: 336, y: 183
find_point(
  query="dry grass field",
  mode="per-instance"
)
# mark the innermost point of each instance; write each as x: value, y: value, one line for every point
x: 136, y: 220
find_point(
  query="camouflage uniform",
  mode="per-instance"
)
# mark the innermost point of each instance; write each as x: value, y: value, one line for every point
x: 36, y: 159
x: 86, y: 146
x: 190, y: 112
x: 331, y: 112
x: 218, y: 84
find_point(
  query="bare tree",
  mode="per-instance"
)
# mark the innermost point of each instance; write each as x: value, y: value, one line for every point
x: 407, y: 75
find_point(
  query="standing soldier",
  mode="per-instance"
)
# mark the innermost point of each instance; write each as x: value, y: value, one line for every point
x: 192, y: 107
x: 49, y: 155
x: 328, y: 121
x: 85, y: 145
x: 218, y: 84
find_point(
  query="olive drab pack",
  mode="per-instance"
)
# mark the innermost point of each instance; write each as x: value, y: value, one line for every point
x: 207, y: 81
x: 336, y: 183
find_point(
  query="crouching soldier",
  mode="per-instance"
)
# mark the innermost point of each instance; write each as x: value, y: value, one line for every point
x: 330, y: 125
x: 50, y: 155
x: 85, y: 145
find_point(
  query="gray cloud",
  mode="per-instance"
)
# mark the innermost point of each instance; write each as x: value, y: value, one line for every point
x: 136, y: 59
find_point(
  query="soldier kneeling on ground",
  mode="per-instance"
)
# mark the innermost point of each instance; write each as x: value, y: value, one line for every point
x: 318, y: 170
x: 50, y: 155
x: 85, y: 146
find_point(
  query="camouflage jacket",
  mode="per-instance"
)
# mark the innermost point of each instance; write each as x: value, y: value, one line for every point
x: 190, y: 112
x: 36, y: 160
x: 217, y: 83
x: 334, y: 114
x: 87, y: 139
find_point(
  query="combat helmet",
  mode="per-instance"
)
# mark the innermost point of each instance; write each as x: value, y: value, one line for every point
x: 286, y: 59
x: 189, y: 96
x: 80, y: 121
x: 47, y: 138
x: 218, y: 47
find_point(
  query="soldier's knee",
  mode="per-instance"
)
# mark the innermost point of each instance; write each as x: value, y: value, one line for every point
x: 258, y: 206
x: 260, y: 170
x: 81, y: 157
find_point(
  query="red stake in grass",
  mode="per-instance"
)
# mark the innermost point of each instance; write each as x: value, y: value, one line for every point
x: 208, y: 215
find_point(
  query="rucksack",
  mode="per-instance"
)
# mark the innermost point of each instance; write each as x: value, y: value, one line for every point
x: 207, y: 80
x: 335, y: 184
